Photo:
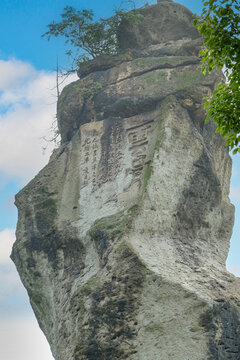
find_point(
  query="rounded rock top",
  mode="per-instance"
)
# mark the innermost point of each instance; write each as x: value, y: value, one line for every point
x: 163, y: 22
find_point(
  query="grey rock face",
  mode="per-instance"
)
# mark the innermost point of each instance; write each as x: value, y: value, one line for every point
x: 122, y: 238
x: 158, y: 26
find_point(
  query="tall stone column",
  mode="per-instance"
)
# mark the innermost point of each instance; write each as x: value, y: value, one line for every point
x: 122, y: 238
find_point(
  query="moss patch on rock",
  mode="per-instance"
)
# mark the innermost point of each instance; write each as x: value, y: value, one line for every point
x: 155, y: 78
x: 162, y: 61
x: 114, y: 225
x: 110, y: 229
x: 185, y: 79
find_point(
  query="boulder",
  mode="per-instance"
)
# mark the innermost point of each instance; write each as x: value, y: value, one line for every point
x: 122, y: 238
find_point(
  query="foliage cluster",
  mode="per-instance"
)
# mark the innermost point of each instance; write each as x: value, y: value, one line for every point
x: 219, y: 24
x: 86, y: 37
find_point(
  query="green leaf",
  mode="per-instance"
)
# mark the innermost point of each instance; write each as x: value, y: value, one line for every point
x: 195, y: 22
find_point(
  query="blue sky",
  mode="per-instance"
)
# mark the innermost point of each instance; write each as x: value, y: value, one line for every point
x: 27, y: 111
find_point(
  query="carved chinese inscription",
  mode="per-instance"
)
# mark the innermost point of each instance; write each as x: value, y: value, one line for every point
x: 138, y: 137
x: 91, y: 150
x: 111, y: 142
x: 101, y: 153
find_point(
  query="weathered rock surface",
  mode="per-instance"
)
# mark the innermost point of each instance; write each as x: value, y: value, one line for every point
x: 122, y: 238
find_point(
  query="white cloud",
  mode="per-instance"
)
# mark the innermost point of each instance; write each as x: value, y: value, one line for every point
x: 7, y: 238
x: 13, y: 72
x: 20, y: 335
x: 27, y: 111
x: 10, y: 284
x: 22, y: 339
x: 12, y: 293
